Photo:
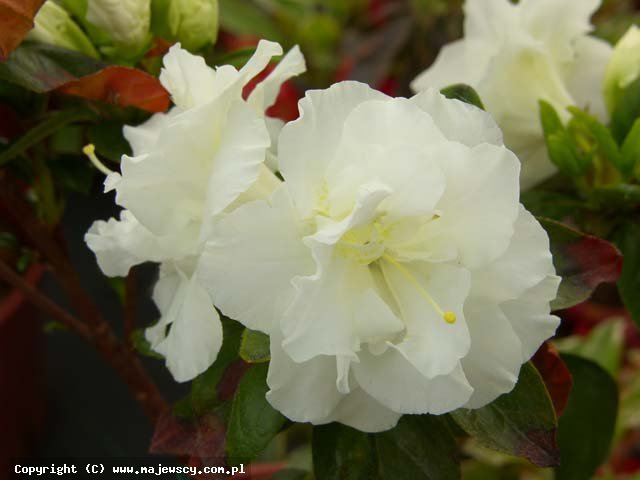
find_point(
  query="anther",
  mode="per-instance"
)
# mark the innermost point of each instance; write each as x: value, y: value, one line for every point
x: 90, y: 151
x: 447, y: 316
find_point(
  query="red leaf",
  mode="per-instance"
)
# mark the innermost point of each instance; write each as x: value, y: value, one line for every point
x: 122, y: 86
x: 202, y: 438
x: 16, y: 19
x: 555, y: 374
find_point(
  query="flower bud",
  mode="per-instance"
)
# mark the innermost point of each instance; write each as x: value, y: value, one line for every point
x: 55, y: 26
x: 623, y: 68
x: 194, y: 23
x: 126, y: 21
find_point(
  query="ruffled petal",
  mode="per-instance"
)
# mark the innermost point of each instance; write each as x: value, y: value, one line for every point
x: 525, y: 263
x: 530, y: 315
x: 493, y: 362
x: 431, y: 344
x: 459, y: 121
x: 395, y: 383
x: 255, y: 253
x: 307, y: 145
x: 265, y: 93
x: 195, y: 331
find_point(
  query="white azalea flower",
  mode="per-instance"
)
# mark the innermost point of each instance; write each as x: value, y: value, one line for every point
x: 394, y: 269
x: 517, y: 54
x: 203, y: 157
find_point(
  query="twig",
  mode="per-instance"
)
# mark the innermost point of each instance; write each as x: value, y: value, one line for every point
x: 42, y: 302
x: 122, y: 360
x: 130, y: 295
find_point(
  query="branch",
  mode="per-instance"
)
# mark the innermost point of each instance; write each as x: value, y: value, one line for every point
x: 121, y: 359
x: 42, y: 302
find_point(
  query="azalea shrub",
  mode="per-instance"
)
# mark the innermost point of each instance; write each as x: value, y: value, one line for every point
x: 394, y: 239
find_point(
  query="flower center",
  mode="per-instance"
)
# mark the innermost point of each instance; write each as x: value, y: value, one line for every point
x: 365, y: 245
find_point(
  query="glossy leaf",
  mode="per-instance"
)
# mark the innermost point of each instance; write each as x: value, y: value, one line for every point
x: 601, y: 136
x: 16, y: 19
x: 521, y: 423
x: 464, y: 93
x: 631, y: 149
x: 253, y: 422
x: 626, y: 112
x: 254, y: 347
x: 555, y: 374
x: 628, y: 240
x: 343, y: 453
x: 245, y: 18
x: 202, y: 438
x: 420, y: 446
x: 122, y: 86
x: 51, y: 123
x: 205, y: 393
x: 583, y: 261
x: 586, y: 428
x: 41, y: 68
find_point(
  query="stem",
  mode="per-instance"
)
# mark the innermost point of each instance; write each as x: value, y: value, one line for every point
x: 121, y: 359
x: 42, y: 302
x: 130, y: 294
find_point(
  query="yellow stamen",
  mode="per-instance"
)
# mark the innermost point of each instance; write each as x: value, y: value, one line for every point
x: 448, y: 316
x: 90, y: 151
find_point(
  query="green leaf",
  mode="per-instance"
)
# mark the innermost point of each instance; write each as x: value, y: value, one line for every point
x: 631, y: 150
x: 142, y: 345
x: 583, y: 262
x: 204, y: 389
x: 565, y: 156
x: 52, y: 122
x: 551, y: 122
x: 41, y: 68
x: 464, y: 93
x: 617, y: 197
x: 626, y: 112
x: 587, y: 424
x: 253, y: 422
x: 604, y: 345
x: 603, y: 138
x: 627, y: 238
x: 420, y: 446
x: 343, y: 453
x: 556, y: 206
x: 521, y: 423
x: 254, y: 347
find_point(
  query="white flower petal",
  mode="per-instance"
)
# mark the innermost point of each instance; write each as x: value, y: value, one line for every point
x: 195, y: 334
x: 586, y: 76
x: 480, y: 204
x: 303, y: 392
x: 266, y: 92
x: 187, y: 77
x: 526, y: 263
x: 142, y: 138
x: 395, y: 383
x: 493, y: 362
x: 530, y: 315
x: 462, y: 61
x: 459, y: 121
x: 320, y: 321
x: 361, y: 411
x: 256, y: 251
x: 432, y: 345
x: 307, y: 145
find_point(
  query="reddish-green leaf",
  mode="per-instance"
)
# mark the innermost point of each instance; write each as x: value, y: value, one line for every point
x: 122, y: 86
x: 555, y: 374
x: 583, y: 261
x: 16, y: 19
x: 521, y: 423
